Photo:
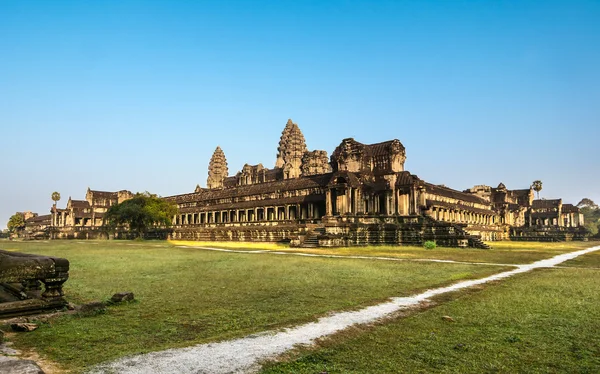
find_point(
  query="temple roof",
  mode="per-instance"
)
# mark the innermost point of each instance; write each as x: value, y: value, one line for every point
x: 383, y: 148
x: 468, y: 208
x: 570, y: 208
x: 448, y: 192
x: 79, y: 204
x: 349, y: 178
x: 254, y: 204
x: 546, y: 204
x: 104, y: 194
x: 320, y: 180
x: 405, y: 178
x: 39, y: 219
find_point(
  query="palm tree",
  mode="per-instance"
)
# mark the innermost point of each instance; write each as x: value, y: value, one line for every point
x: 537, y: 187
x: 55, y: 197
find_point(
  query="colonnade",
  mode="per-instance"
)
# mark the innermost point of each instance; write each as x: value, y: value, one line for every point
x: 259, y: 214
x: 463, y: 216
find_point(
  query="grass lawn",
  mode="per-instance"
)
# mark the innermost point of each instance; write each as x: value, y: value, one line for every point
x: 546, y: 321
x: 501, y: 252
x: 590, y: 260
x: 187, y: 296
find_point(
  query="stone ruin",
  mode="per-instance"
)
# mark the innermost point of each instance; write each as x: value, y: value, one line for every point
x: 31, y: 284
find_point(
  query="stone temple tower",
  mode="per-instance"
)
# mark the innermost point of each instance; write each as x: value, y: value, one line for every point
x: 285, y: 134
x: 217, y: 169
x: 292, y: 148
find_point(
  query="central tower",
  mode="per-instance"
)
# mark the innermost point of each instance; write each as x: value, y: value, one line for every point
x: 292, y: 148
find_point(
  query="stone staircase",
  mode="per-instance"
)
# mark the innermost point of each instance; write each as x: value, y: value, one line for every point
x: 312, y: 237
x: 476, y: 242
x: 473, y: 240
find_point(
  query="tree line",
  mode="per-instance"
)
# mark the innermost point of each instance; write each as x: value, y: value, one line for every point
x: 591, y: 216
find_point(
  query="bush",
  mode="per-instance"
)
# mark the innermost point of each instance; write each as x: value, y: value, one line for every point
x: 429, y: 244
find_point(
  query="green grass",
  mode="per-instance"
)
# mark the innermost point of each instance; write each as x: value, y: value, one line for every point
x: 590, y: 260
x: 187, y: 296
x: 546, y: 321
x: 501, y: 252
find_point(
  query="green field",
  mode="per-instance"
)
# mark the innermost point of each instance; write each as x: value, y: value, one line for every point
x: 501, y: 252
x: 546, y: 321
x: 187, y: 296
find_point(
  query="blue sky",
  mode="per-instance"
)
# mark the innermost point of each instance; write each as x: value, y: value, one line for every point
x: 137, y: 94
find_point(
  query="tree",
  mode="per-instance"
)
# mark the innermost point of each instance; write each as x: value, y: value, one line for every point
x: 16, y: 222
x: 55, y: 197
x: 591, y: 215
x: 537, y: 187
x: 587, y: 203
x: 138, y: 214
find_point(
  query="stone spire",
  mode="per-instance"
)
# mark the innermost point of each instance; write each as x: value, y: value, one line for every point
x: 292, y: 148
x: 217, y: 169
x: 285, y: 134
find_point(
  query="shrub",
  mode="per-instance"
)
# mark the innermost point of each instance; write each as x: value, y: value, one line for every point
x: 429, y: 244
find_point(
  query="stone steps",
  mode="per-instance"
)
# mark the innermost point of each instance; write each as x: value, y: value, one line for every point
x: 312, y: 238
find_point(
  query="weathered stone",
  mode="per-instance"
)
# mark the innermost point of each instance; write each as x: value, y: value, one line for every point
x: 292, y: 150
x: 217, y: 169
x: 21, y: 279
x: 23, y: 327
x: 5, y: 349
x: 283, y: 140
x: 90, y: 307
x: 315, y: 163
x: 16, y: 366
x: 122, y: 296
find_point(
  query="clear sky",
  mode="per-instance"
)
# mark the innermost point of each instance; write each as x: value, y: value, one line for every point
x: 137, y: 94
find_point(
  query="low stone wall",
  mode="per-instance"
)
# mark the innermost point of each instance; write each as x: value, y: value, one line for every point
x: 256, y: 233
x: 339, y: 231
x: 549, y: 234
x: 396, y: 231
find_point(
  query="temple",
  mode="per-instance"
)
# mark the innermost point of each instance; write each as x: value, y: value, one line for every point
x: 82, y: 219
x: 360, y: 195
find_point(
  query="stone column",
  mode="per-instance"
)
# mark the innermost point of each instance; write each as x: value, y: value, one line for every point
x: 328, y: 207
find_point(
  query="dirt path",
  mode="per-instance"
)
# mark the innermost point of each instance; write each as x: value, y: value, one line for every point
x: 243, y: 355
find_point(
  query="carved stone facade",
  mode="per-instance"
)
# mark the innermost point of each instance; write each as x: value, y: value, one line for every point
x: 361, y: 195
x: 314, y: 163
x: 83, y: 219
x: 31, y: 284
x: 217, y: 169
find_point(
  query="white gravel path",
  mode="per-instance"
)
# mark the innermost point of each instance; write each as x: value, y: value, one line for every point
x: 243, y: 355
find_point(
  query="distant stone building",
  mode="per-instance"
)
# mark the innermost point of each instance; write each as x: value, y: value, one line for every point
x: 360, y: 195
x: 83, y: 218
x: 36, y: 226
